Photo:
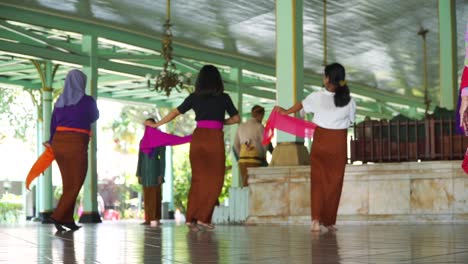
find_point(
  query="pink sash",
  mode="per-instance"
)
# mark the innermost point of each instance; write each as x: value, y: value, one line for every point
x: 211, y: 124
x: 154, y: 137
x: 288, y: 124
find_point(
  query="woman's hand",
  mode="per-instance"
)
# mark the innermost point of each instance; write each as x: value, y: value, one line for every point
x: 151, y: 124
x: 294, y: 109
x: 463, y: 117
x: 235, y: 119
x: 280, y: 110
x: 464, y: 121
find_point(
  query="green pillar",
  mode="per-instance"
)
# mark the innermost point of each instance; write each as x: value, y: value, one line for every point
x: 466, y: 48
x: 46, y: 179
x: 289, y: 77
x: 90, y: 208
x: 448, y: 53
x: 236, y: 76
x: 37, y: 187
x: 44, y: 191
x: 168, y: 186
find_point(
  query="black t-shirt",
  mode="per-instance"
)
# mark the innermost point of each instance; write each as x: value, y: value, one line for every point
x: 208, y: 107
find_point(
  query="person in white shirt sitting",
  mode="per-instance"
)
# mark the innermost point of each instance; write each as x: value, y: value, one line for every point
x: 248, y: 143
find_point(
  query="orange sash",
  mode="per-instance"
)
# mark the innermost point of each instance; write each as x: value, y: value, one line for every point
x: 72, y: 129
x: 47, y: 157
x: 42, y: 163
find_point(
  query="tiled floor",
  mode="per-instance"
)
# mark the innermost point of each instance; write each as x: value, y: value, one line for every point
x: 129, y: 242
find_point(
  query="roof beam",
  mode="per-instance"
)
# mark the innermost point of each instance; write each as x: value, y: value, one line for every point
x: 373, y: 114
x: 148, y: 40
x: 49, y: 54
x: 158, y: 103
x: 40, y: 40
x: 124, y: 56
x: 25, y: 84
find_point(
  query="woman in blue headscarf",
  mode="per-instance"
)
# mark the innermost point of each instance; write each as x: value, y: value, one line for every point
x: 70, y: 129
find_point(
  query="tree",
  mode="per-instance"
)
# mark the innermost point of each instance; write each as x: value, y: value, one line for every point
x: 127, y: 126
x: 17, y: 113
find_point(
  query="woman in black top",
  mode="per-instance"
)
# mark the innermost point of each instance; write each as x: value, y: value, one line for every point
x: 207, y: 155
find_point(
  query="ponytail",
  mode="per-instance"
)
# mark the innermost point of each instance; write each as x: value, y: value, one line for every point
x: 336, y: 76
x: 342, y: 96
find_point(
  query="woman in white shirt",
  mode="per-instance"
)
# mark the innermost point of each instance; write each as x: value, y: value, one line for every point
x: 334, y: 111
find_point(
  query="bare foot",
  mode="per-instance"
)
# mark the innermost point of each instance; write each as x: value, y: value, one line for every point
x: 331, y: 228
x: 193, y: 227
x: 205, y: 225
x: 155, y: 223
x: 315, y: 226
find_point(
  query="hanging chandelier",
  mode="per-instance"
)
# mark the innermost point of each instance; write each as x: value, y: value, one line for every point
x: 169, y: 78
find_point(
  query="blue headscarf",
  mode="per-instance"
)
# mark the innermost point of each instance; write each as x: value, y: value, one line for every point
x: 74, y: 89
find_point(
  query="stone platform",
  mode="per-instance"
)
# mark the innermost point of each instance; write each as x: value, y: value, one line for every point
x: 403, y: 193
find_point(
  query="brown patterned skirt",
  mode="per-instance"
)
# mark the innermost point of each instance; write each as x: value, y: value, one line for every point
x: 71, y: 153
x: 207, y: 158
x: 327, y: 166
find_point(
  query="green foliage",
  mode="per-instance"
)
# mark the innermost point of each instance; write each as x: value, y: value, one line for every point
x: 131, y: 213
x: 182, y: 176
x: 17, y: 112
x: 131, y: 181
x: 7, y: 99
x: 228, y: 174
x: 126, y: 126
x: 10, y: 208
x: 123, y: 195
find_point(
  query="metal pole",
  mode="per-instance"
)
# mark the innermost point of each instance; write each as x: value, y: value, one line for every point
x: 422, y: 32
x: 325, y: 52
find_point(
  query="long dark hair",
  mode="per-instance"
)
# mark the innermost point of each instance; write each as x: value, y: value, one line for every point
x: 209, y: 81
x: 337, y: 77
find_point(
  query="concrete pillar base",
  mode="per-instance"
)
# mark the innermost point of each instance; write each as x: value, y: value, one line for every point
x: 90, y: 217
x: 290, y: 154
x: 44, y: 217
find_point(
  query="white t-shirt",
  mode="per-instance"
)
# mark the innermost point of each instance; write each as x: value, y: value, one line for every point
x: 326, y: 114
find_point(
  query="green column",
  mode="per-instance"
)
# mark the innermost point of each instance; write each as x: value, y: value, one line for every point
x: 448, y: 53
x: 236, y: 76
x: 37, y: 187
x: 289, y: 77
x: 289, y: 56
x: 90, y: 208
x: 168, y: 186
x: 46, y: 179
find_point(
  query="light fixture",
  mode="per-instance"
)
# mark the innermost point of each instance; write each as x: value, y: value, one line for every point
x: 427, y: 101
x: 169, y: 78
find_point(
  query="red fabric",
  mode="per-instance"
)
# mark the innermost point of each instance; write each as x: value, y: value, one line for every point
x: 463, y: 84
x: 42, y: 163
x: 464, y: 78
x: 465, y: 162
x: 288, y: 124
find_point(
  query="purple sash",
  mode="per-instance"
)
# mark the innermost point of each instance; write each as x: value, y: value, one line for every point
x: 212, y: 124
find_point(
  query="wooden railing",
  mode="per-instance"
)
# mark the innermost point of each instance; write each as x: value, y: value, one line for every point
x: 382, y: 141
